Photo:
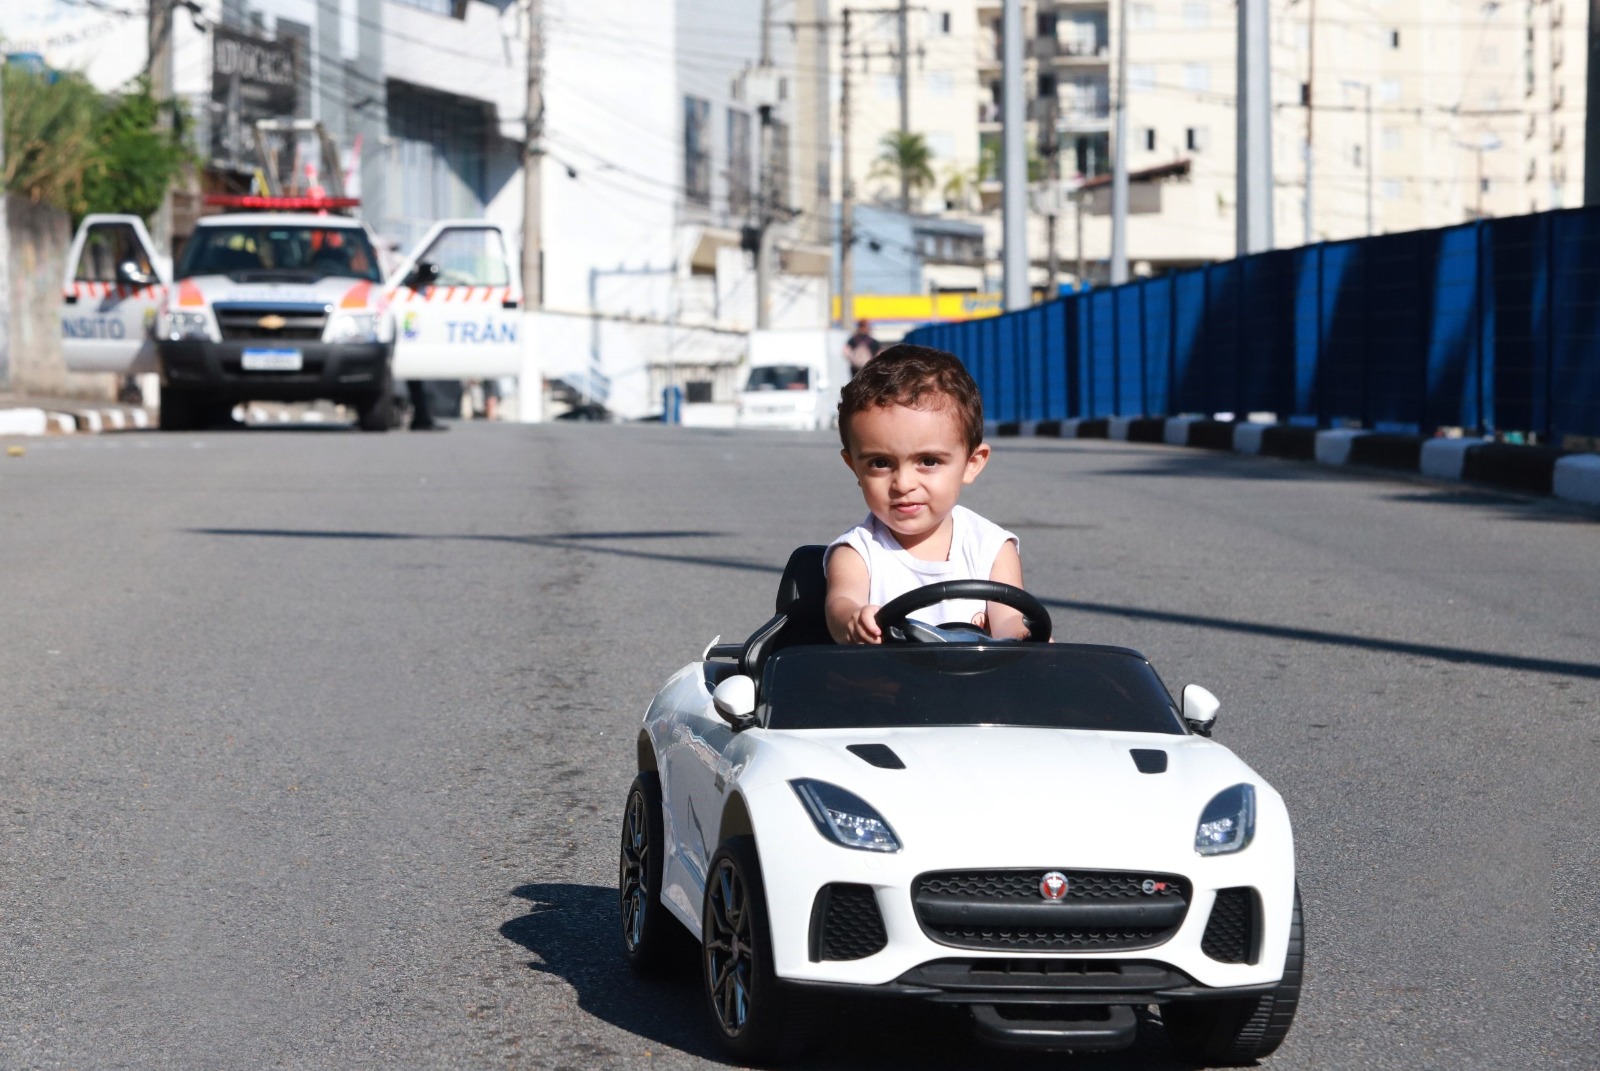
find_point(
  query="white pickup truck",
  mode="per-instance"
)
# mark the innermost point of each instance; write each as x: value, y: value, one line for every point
x: 289, y: 306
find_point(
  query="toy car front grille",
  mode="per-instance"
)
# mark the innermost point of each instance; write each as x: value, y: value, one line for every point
x: 1231, y: 931
x: 1005, y: 909
x: 846, y: 923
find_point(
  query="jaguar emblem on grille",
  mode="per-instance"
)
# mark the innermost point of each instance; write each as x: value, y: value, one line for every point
x: 1054, y: 885
x: 272, y: 322
x: 1151, y: 886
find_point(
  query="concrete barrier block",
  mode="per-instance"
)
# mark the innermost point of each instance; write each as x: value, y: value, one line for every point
x: 1442, y: 459
x: 1577, y: 478
x: 1028, y: 429
x: 114, y: 418
x: 88, y: 420
x: 139, y: 417
x: 1247, y: 438
x: 1177, y: 430
x: 1117, y: 427
x: 1333, y: 447
x: 23, y: 422
x: 62, y: 423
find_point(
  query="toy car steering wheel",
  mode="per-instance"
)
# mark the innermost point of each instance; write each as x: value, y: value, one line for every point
x: 893, y: 617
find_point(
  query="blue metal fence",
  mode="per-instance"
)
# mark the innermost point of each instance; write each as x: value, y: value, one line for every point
x: 1491, y: 325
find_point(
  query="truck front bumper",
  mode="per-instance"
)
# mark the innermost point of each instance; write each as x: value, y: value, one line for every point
x: 338, y: 372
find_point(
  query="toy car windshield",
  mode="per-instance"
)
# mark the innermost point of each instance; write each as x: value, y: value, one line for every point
x: 1061, y: 686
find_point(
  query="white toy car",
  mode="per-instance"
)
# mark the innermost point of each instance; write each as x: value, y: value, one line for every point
x: 1032, y: 831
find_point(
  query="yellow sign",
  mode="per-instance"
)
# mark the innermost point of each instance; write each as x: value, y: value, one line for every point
x: 922, y: 308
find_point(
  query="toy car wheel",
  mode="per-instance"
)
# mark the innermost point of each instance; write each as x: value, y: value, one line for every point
x: 648, y: 932
x: 758, y: 1019
x: 1234, y: 1033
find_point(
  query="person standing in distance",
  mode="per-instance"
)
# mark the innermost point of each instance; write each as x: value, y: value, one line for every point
x: 861, y: 348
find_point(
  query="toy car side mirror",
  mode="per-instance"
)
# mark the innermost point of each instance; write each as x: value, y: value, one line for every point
x: 735, y: 700
x: 1200, y: 709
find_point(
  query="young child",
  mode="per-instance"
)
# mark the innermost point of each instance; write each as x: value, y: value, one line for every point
x: 912, y: 425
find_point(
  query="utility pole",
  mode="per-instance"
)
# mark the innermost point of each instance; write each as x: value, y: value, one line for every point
x: 1311, y: 77
x: 1253, y: 212
x: 1119, y: 158
x: 764, y: 183
x: 159, y: 71
x: 1591, y: 121
x: 5, y: 251
x: 1014, y: 166
x: 533, y: 165
x: 901, y: 15
x: 847, y: 186
x: 1050, y: 148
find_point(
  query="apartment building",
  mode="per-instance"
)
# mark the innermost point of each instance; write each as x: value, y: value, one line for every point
x: 1386, y: 117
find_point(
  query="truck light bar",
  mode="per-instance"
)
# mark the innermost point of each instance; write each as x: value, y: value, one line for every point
x: 260, y: 203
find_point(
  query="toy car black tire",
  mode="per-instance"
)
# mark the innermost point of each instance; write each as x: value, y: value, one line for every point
x: 1237, y: 1033
x: 777, y: 1019
x: 651, y: 938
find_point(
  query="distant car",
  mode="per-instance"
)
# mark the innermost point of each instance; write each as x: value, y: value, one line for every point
x: 1033, y: 832
x: 788, y: 396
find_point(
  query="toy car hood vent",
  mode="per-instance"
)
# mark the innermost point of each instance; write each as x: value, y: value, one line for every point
x: 1149, y: 759
x: 881, y: 755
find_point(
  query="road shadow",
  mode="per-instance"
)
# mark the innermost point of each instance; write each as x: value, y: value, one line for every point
x: 571, y: 931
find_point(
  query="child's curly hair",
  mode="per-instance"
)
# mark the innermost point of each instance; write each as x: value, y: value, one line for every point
x: 919, y: 377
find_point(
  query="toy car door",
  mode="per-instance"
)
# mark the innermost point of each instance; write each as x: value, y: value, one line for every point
x: 457, y: 304
x: 113, y: 287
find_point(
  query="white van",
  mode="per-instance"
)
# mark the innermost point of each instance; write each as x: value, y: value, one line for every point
x: 793, y: 380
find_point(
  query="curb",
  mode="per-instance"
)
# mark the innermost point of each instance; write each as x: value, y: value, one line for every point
x: 1541, y: 470
x: 33, y: 420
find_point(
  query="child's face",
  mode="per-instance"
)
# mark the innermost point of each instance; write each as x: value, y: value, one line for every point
x: 911, y: 464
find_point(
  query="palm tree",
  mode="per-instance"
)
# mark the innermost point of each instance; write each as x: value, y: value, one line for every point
x: 905, y: 157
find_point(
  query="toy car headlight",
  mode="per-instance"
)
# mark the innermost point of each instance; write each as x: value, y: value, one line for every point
x: 1228, y: 823
x: 352, y: 327
x: 184, y: 326
x: 844, y: 817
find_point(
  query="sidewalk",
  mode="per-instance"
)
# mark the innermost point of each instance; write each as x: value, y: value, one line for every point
x: 1541, y: 470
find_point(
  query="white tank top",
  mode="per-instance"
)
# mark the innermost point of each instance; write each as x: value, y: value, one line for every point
x: 893, y: 571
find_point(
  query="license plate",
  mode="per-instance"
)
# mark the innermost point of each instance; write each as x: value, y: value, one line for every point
x: 271, y: 361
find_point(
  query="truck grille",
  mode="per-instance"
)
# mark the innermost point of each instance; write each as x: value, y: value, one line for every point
x: 242, y: 323
x: 1003, y: 909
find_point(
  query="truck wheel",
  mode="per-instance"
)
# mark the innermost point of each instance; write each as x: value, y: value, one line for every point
x: 180, y: 410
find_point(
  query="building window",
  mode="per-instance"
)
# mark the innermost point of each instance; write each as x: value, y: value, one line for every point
x: 739, y: 157
x: 1394, y: 139
x: 1197, y: 139
x: 1147, y: 137
x: 938, y: 22
x: 1196, y: 16
x: 1141, y: 77
x: 1141, y: 16
x: 1197, y: 77
x: 1047, y: 85
x: 941, y: 83
x: 439, y: 158
x: 1355, y: 156
x: 1045, y: 24
x: 1394, y: 38
x: 1390, y: 189
x: 455, y: 9
x: 1389, y: 91
x: 697, y: 150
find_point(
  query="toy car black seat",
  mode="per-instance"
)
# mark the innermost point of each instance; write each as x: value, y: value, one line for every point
x: 801, y: 610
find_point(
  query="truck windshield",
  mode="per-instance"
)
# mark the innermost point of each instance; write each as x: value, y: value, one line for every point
x: 260, y: 250
x: 779, y: 377
x: 1057, y: 686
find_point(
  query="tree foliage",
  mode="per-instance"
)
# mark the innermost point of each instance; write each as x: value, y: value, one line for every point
x: 69, y: 146
x: 908, y: 155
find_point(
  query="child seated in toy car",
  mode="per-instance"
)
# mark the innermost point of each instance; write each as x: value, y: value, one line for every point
x: 912, y: 425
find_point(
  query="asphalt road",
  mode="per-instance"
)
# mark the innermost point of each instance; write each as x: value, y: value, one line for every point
x: 313, y: 745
